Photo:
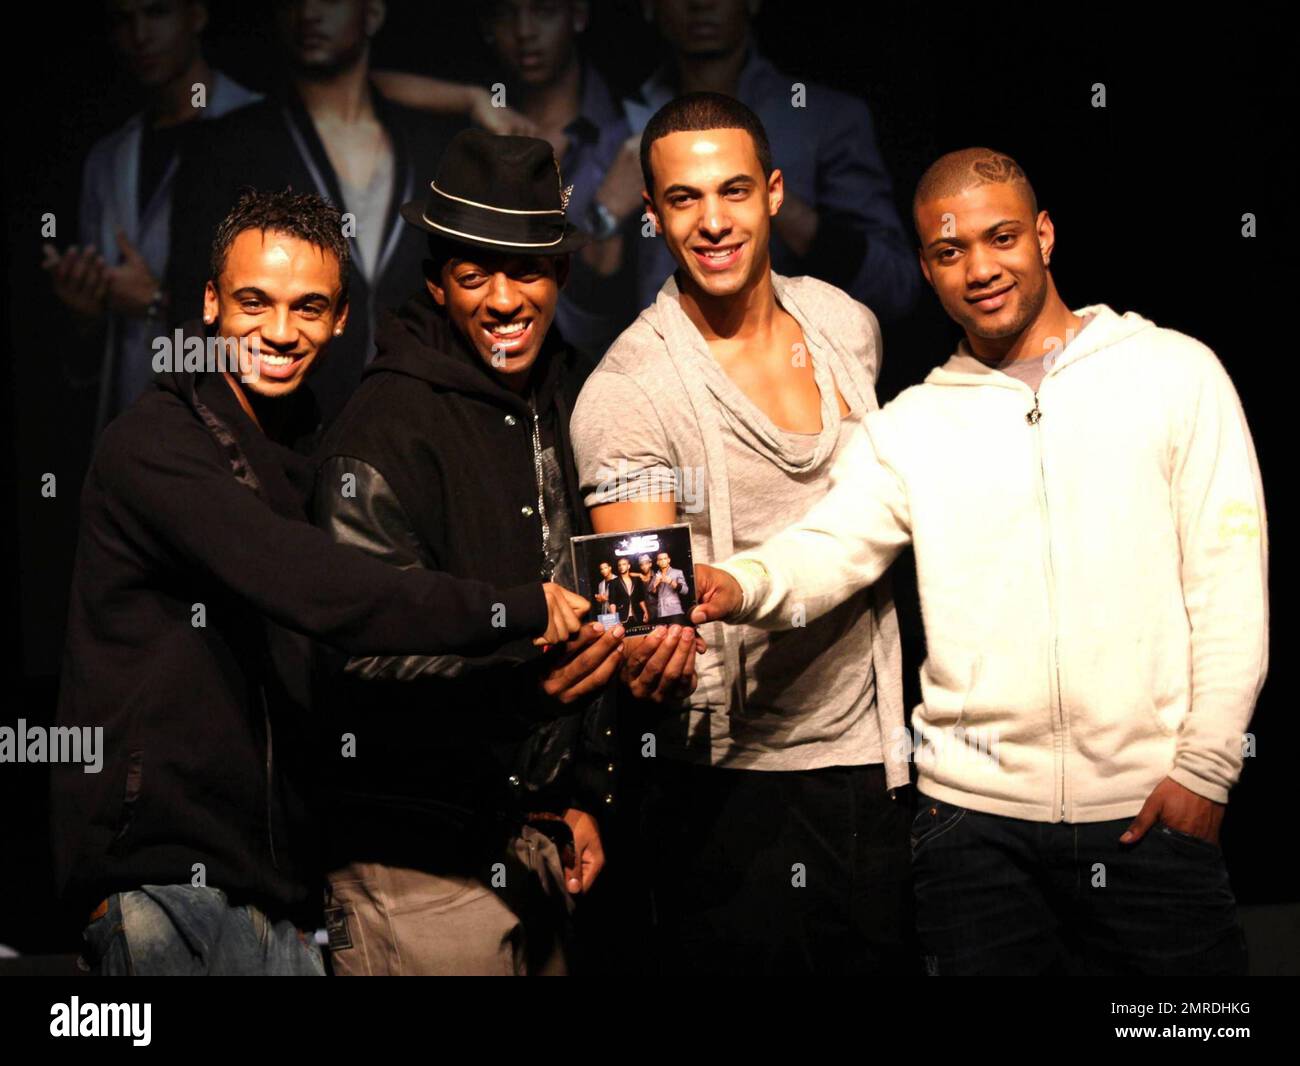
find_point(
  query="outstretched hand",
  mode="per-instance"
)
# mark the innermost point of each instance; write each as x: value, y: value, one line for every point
x: 718, y: 595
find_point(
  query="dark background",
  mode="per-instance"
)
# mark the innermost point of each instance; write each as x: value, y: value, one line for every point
x: 1147, y: 195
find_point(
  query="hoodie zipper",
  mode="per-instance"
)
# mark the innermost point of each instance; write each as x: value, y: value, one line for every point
x: 541, y: 493
x: 1034, y: 417
x: 270, y: 780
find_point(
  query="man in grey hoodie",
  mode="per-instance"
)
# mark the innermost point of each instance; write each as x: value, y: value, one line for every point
x: 777, y: 835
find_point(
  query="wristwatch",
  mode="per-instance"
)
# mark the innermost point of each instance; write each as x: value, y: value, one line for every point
x: 601, y: 222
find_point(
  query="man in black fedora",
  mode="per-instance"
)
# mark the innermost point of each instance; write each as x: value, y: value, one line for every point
x: 460, y: 839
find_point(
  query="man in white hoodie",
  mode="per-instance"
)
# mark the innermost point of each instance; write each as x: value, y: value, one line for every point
x: 1084, y: 501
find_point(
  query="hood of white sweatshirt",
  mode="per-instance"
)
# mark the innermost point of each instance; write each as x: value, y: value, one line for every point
x: 1106, y: 329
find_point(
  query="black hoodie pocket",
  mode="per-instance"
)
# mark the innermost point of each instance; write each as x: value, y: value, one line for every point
x: 130, y: 798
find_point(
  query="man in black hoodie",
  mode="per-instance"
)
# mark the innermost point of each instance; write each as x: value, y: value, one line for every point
x: 450, y: 834
x: 197, y: 582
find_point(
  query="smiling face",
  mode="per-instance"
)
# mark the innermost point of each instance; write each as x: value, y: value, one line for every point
x: 714, y: 207
x: 503, y: 305
x: 985, y: 253
x: 282, y: 296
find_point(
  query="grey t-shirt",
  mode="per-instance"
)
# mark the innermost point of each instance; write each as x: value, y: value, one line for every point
x: 809, y: 691
x: 1032, y: 371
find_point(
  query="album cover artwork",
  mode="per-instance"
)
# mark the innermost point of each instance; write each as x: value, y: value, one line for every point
x: 644, y: 578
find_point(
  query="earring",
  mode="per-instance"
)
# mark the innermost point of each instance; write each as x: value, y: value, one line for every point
x: 338, y: 331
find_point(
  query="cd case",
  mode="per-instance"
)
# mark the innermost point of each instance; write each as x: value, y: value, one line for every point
x: 643, y: 578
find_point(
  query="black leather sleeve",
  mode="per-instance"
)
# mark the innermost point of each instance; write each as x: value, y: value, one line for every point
x: 182, y: 504
x: 355, y: 504
x: 560, y: 761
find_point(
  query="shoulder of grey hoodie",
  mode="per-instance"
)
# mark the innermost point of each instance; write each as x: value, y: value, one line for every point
x: 639, y: 351
x: 852, y: 320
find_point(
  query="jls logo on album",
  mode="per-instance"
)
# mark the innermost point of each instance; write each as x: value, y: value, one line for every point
x: 102, y: 1019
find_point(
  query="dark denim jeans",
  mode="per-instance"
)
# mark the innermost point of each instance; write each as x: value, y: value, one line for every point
x: 779, y: 872
x: 1000, y: 895
x: 177, y: 930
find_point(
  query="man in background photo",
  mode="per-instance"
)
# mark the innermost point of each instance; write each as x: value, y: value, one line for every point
x: 113, y: 281
x: 328, y: 128
x: 556, y: 89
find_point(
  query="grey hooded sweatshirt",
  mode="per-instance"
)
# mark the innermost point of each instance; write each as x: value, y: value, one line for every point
x: 660, y: 419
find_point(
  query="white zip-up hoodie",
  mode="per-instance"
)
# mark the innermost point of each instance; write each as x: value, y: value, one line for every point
x: 1092, y: 564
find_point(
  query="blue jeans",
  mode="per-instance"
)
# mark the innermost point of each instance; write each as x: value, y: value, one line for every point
x: 179, y: 930
x: 999, y: 895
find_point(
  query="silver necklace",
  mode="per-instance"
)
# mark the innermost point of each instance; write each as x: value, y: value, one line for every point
x: 541, y: 492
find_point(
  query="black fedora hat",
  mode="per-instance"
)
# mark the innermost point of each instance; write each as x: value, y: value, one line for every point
x: 500, y: 193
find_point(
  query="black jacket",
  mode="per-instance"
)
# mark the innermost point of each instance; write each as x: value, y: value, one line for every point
x: 440, y: 460
x: 628, y: 603
x: 197, y: 576
x: 272, y: 145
